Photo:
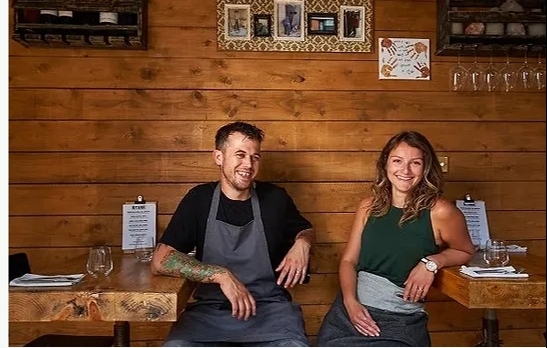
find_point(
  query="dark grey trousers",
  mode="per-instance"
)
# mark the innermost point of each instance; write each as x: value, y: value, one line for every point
x: 397, y: 330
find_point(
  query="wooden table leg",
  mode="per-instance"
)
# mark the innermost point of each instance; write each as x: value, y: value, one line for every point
x: 121, y: 334
x: 490, y: 330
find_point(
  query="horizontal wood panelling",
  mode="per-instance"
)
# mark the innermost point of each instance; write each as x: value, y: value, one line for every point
x: 134, y: 136
x: 70, y: 231
x: 71, y: 167
x: 167, y: 42
x: 204, y: 73
x: 324, y: 259
x: 94, y: 199
x: 90, y: 129
x: 138, y: 104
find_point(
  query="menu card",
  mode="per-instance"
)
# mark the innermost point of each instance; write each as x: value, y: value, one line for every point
x: 139, y: 224
x: 475, y: 217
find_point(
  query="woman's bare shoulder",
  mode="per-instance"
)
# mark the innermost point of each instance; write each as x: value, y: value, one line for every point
x: 444, y: 209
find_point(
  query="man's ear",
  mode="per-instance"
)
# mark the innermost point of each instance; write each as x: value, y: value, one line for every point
x: 217, y: 156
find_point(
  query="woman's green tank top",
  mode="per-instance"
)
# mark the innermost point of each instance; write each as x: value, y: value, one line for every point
x: 390, y: 250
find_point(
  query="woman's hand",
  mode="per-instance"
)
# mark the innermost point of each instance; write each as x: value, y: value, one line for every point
x: 418, y: 283
x: 361, y: 319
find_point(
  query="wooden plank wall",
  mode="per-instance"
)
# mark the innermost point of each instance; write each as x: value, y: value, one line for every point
x: 91, y: 129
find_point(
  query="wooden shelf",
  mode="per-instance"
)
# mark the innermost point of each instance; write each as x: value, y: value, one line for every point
x: 477, y: 11
x: 131, y: 35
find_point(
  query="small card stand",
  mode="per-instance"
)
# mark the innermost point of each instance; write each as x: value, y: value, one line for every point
x: 139, y: 223
x: 474, y: 212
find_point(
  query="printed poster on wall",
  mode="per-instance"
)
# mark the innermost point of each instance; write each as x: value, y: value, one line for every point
x: 403, y: 59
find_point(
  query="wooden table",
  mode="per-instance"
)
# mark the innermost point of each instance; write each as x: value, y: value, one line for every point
x: 491, y: 294
x: 129, y: 293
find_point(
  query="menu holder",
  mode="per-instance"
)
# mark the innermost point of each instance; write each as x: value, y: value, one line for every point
x: 475, y: 217
x: 139, y: 224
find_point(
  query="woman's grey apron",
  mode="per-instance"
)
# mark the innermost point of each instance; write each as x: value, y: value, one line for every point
x: 243, y: 250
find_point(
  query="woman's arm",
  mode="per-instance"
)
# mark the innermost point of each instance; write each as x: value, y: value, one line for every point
x: 451, y: 230
x: 358, y: 314
x: 350, y: 257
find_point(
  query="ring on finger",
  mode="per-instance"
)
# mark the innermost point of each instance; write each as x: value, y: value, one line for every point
x: 298, y: 272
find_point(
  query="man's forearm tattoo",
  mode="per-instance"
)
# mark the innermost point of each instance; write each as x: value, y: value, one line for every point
x: 178, y: 264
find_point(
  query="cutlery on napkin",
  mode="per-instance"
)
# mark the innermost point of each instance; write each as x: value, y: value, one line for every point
x: 33, y: 280
x: 493, y: 272
x: 513, y: 248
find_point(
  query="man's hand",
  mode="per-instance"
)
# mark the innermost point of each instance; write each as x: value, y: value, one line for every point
x: 294, y: 266
x: 170, y: 262
x: 243, y: 303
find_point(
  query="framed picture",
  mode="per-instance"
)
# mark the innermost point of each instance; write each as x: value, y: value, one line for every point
x: 352, y: 26
x: 288, y: 20
x: 322, y: 24
x: 262, y: 24
x: 237, y: 22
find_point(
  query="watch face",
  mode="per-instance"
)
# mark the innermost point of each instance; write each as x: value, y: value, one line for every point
x: 431, y: 266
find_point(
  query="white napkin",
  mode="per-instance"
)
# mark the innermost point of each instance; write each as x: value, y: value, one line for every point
x: 492, y: 272
x: 513, y: 248
x: 34, y: 280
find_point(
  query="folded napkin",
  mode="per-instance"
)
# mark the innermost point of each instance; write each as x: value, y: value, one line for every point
x: 513, y: 248
x: 34, y: 280
x: 492, y: 272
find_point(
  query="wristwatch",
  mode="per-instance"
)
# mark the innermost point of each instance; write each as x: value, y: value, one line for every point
x: 430, y: 265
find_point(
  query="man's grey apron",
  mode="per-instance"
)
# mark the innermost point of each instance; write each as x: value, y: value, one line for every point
x: 243, y: 250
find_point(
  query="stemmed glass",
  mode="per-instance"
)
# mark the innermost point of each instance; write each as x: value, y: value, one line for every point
x: 458, y: 77
x: 525, y: 74
x: 475, y: 75
x: 507, y: 76
x: 539, y: 75
x: 491, y: 77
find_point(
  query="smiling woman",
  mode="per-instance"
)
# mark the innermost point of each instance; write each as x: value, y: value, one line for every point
x: 401, y: 236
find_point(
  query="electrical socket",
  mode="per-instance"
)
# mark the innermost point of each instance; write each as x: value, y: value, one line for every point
x: 443, y: 160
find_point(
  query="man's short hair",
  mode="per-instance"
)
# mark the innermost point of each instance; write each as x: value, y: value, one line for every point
x: 249, y: 130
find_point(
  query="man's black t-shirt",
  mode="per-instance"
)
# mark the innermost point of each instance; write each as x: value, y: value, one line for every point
x: 282, y: 220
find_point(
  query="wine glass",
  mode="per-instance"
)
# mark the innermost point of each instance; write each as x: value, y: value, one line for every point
x: 99, y: 261
x: 525, y: 75
x: 475, y: 75
x: 458, y: 77
x: 491, y: 78
x: 507, y: 76
x: 539, y: 75
x: 495, y: 254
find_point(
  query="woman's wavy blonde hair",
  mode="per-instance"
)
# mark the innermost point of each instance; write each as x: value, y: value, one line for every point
x: 426, y: 192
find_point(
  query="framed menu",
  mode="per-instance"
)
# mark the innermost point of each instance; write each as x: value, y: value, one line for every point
x: 475, y: 217
x: 139, y: 223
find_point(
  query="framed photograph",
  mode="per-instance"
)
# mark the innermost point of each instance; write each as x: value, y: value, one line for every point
x: 288, y: 20
x: 322, y: 24
x: 262, y: 24
x: 352, y: 26
x: 237, y: 22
